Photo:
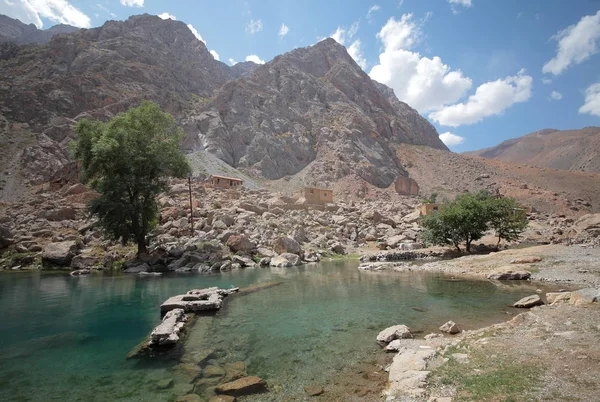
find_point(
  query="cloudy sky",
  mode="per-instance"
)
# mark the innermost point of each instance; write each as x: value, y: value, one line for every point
x: 481, y: 71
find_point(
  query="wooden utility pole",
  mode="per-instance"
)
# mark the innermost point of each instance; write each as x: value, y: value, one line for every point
x: 191, y: 206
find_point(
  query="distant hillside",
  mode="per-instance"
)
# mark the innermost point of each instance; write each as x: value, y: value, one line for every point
x: 565, y: 150
x: 15, y: 31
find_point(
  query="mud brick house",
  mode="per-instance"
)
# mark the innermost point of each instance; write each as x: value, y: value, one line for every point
x: 318, y: 196
x: 225, y: 182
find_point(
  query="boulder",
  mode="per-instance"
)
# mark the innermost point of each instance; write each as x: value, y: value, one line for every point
x: 338, y: 249
x: 507, y: 274
x: 168, y: 331
x: 394, y: 346
x: 394, y: 332
x: 314, y: 390
x: 79, y: 272
x: 243, y: 386
x: 136, y: 269
x: 285, y: 260
x: 76, y: 189
x: 585, y: 296
x: 394, y: 241
x: 286, y: 245
x: 61, y: 214
x: 529, y: 301
x: 60, y: 253
x: 240, y: 243
x: 5, y: 237
x: 252, y: 207
x: 450, y: 327
x: 526, y: 260
x: 555, y: 297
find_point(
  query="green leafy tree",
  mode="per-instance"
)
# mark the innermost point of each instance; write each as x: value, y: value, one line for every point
x: 463, y: 220
x: 469, y: 216
x: 431, y: 200
x: 128, y: 161
x: 507, y: 218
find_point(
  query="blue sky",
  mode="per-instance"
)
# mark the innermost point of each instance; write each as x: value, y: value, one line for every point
x: 481, y: 71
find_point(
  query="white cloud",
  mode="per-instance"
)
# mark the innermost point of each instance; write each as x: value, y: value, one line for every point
x: 133, y: 3
x: 546, y: 81
x: 425, y: 84
x: 254, y: 26
x: 454, y: 5
x: 372, y: 10
x: 105, y: 9
x: 491, y: 98
x: 215, y: 55
x: 339, y: 35
x: 353, y: 29
x: 592, y: 100
x: 196, y: 33
x: 254, y: 58
x: 283, y: 30
x: 232, y: 62
x: 32, y: 12
x: 451, y: 139
x: 554, y: 95
x: 356, y: 53
x: 465, y: 3
x: 575, y: 44
x: 167, y: 16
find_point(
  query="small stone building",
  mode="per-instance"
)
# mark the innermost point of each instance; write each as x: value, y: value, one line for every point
x: 225, y: 182
x: 318, y: 195
x: 427, y: 209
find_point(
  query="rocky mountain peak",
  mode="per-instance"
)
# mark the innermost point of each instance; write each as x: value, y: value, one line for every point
x: 14, y: 31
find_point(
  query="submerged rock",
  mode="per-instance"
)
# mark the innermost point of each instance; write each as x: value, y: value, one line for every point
x: 529, y: 301
x: 391, y: 333
x: 79, y: 272
x: 243, y: 386
x: 314, y: 390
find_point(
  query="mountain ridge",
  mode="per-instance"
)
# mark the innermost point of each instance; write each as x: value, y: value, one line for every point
x: 577, y: 149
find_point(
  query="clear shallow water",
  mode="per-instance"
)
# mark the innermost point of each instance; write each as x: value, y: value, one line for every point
x: 65, y: 338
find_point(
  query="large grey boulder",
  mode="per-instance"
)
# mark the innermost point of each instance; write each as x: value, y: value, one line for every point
x: 285, y: 260
x: 168, y: 331
x: 60, y: 253
x: 286, y: 245
x: 240, y: 243
x: 5, y: 237
x: 508, y: 274
x: 450, y: 328
x: 394, y: 332
x: 529, y: 301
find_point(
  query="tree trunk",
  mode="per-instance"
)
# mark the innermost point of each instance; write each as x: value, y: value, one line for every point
x: 141, y: 243
x: 468, y: 246
x: 457, y: 247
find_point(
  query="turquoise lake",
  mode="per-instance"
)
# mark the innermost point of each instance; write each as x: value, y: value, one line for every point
x: 66, y: 338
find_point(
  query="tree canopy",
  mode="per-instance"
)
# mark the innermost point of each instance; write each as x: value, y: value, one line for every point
x: 470, y: 216
x: 128, y: 160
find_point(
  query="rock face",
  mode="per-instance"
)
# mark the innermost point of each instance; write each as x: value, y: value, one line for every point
x: 14, y: 31
x: 391, y: 333
x: 529, y: 301
x: 311, y: 112
x: 167, y: 333
x: 243, y: 386
x: 328, y: 112
x: 5, y: 237
x: 60, y: 253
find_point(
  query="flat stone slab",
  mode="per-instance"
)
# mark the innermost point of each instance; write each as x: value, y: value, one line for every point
x: 509, y: 274
x: 167, y: 332
x: 408, y: 373
x: 196, y: 300
x: 529, y: 301
x: 243, y: 386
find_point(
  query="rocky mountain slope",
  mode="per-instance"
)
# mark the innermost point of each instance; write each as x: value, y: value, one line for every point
x: 15, y: 31
x: 311, y: 113
x: 566, y: 150
x: 544, y: 189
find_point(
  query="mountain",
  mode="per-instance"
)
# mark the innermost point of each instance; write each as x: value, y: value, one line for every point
x: 15, y: 31
x: 566, y: 150
x: 311, y: 113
